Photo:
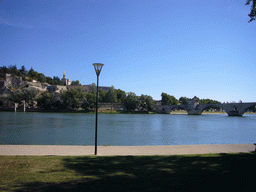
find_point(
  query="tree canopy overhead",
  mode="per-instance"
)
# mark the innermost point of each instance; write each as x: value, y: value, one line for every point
x: 252, y: 14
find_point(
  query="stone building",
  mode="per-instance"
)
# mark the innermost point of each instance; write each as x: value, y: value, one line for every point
x: 64, y: 80
x: 193, y: 102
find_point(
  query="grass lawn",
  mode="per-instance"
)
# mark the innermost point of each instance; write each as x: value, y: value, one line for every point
x: 212, y: 172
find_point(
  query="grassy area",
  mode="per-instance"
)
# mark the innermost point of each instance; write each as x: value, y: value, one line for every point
x: 212, y: 172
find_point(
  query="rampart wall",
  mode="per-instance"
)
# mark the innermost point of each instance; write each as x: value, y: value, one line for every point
x: 109, y: 106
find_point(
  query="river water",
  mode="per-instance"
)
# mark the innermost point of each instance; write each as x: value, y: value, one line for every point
x: 125, y: 129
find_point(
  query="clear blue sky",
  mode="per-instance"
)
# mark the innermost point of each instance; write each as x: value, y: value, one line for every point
x: 184, y: 48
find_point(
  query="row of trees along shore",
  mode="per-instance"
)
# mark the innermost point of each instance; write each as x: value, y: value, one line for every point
x: 76, y: 98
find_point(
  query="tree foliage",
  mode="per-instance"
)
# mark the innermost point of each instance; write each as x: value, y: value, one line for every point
x: 56, y: 81
x: 45, y: 100
x: 111, y: 96
x: 183, y: 100
x: 90, y: 101
x: 120, y: 96
x: 252, y: 14
x: 208, y: 101
x: 102, y: 96
x: 168, y: 99
x: 30, y: 93
x: 146, y: 103
x: 17, y: 96
x: 131, y: 101
x: 77, y: 83
x: 31, y: 74
x: 73, y: 97
x: 26, y: 94
x: 41, y: 77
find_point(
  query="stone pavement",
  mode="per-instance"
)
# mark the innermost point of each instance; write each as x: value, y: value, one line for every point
x: 70, y: 150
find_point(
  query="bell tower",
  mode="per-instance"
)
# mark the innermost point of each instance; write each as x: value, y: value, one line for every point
x: 64, y: 80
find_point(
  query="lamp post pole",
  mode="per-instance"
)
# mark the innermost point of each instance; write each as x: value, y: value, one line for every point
x: 97, y: 67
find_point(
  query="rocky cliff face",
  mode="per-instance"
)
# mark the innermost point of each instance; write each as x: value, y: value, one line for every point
x: 12, y: 82
x: 9, y: 83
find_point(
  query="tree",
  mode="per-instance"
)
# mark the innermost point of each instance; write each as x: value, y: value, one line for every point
x: 56, y: 81
x: 48, y: 80
x: 131, y: 101
x: 17, y: 96
x: 120, y: 95
x: 183, y: 100
x: 4, y: 70
x: 23, y: 72
x: 146, y: 103
x: 41, y: 77
x: 57, y: 104
x: 29, y: 94
x: 168, y: 99
x: 32, y: 74
x: 102, y: 96
x: 26, y: 94
x: 75, y: 83
x: 73, y: 97
x: 90, y: 102
x: 111, y: 96
x: 165, y: 99
x: 252, y: 14
x: 208, y: 101
x: 14, y: 71
x: 45, y: 100
x: 94, y: 89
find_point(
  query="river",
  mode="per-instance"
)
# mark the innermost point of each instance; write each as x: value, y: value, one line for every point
x: 125, y: 129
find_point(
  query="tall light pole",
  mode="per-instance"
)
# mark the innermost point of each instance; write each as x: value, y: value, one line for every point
x: 97, y: 67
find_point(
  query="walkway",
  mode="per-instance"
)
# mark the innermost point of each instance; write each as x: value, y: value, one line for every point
x: 40, y: 150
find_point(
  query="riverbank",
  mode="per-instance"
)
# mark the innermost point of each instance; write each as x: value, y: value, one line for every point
x: 79, y: 111
x: 58, y: 150
x: 108, y: 111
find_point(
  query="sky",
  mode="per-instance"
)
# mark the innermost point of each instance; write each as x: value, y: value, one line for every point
x: 183, y: 48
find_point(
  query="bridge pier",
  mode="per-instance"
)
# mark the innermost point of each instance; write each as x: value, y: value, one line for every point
x: 194, y: 113
x: 234, y: 113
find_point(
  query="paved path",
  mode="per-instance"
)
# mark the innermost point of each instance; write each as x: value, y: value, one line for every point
x: 40, y: 150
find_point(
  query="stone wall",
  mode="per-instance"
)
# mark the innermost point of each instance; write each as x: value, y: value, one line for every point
x: 109, y: 106
x: 85, y: 88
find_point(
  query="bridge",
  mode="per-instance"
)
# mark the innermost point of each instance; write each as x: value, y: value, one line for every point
x: 194, y: 108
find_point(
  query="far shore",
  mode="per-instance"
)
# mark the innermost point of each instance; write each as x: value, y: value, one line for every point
x: 107, y: 111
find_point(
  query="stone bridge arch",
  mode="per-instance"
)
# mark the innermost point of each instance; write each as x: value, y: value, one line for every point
x: 204, y: 107
x: 172, y: 107
x: 166, y: 109
x: 236, y: 109
x: 232, y: 109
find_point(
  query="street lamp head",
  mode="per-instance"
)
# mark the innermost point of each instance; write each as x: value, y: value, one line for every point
x: 97, y: 67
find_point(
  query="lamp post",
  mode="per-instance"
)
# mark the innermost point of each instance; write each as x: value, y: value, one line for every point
x: 97, y: 67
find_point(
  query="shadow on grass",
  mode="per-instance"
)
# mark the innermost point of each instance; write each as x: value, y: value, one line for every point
x: 222, y: 172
